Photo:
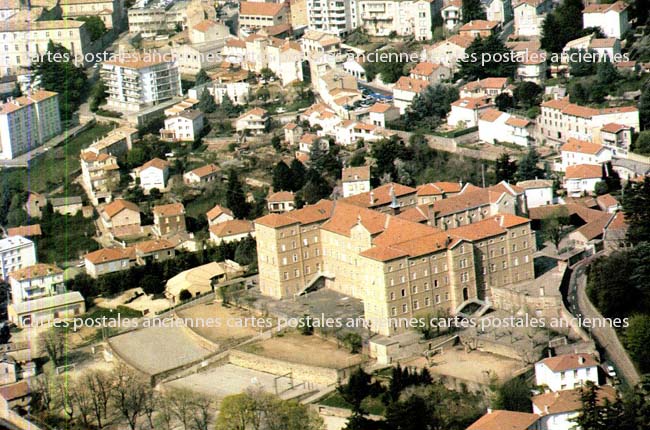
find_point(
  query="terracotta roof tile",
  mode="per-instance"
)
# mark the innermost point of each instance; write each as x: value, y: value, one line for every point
x: 262, y: 9
x: 207, y: 170
x: 504, y: 420
x: 584, y: 171
x: 38, y: 270
x: 106, y: 255
x: 281, y: 196
x: 118, y: 205
x: 569, y: 400
x: 361, y: 173
x: 565, y: 362
x: 25, y: 230
x: 155, y: 245
x: 169, y: 209
x: 232, y: 227
x: 218, y: 210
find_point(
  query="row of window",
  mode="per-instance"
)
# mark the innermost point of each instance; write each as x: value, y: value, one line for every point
x: 416, y: 304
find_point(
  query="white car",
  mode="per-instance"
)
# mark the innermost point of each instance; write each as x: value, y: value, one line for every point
x: 611, y: 371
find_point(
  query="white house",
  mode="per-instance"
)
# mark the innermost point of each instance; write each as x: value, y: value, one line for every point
x: 153, y: 174
x: 16, y: 252
x: 616, y: 137
x: 447, y: 52
x: 488, y: 87
x: 582, y: 178
x: 201, y: 175
x: 381, y: 113
x: 319, y: 114
x: 452, y: 13
x: 529, y: 16
x: 429, y: 71
x: 255, y: 121
x: 183, y: 127
x: 34, y: 282
x: 465, y: 112
x: 355, y: 180
x: 611, y: 18
x: 498, y: 10
x: 566, y: 371
x: 109, y: 260
x: 583, y: 152
x: 496, y: 126
x: 219, y: 214
x: 231, y: 231
x: 539, y: 192
x: 281, y: 201
x: 532, y: 68
x: 405, y: 90
x: 558, y: 410
x: 506, y: 420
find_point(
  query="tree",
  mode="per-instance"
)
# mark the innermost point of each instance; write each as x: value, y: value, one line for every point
x: 315, y: 188
x: 305, y: 326
x: 97, y: 95
x: 644, y: 107
x: 94, y: 26
x: 235, y: 196
x: 528, y: 169
x: 228, y: 107
x: 358, y: 159
x: 471, y: 10
x: 606, y: 73
x: 53, y: 342
x: 206, y: 102
x: 385, y: 152
x: 528, y: 94
x: 554, y: 227
x: 353, y: 342
x: 359, y: 387
x: 504, y: 101
x: 562, y: 25
x: 505, y: 168
x: 430, y: 107
x: 642, y: 143
x: 246, y: 252
x: 298, y: 174
x: 129, y: 394
x: 513, y: 395
x: 636, y: 208
x: 578, y: 94
x: 201, y: 78
x: 389, y: 65
x: 487, y: 57
x: 57, y: 72
x: 412, y: 413
x: 276, y: 142
x: 184, y: 295
x: 282, y: 177
x: 637, y: 341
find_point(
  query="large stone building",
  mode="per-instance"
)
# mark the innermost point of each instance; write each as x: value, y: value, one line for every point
x: 109, y: 11
x: 401, y: 268
x: 28, y: 122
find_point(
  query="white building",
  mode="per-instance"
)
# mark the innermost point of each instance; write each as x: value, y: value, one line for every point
x: 405, y: 90
x: 496, y: 126
x: 350, y: 132
x: 185, y: 126
x: 317, y: 44
x: 611, y: 18
x: 581, y: 179
x: 28, y: 122
x: 583, y: 152
x: 133, y: 82
x: 381, y: 113
x: 16, y: 252
x: 488, y: 87
x: 355, y: 180
x: 219, y: 214
x: 338, y: 18
x: 109, y: 260
x: 539, y: 192
x: 532, y: 68
x: 431, y: 72
x: 616, y: 137
x: 255, y: 121
x: 559, y: 410
x: 498, y: 10
x: 153, y: 174
x: 35, y: 282
x: 566, y: 372
x: 281, y: 201
x: 231, y: 231
x: 466, y: 112
x: 321, y: 115
x: 404, y: 18
x: 529, y: 16
x: 447, y: 52
x: 452, y: 13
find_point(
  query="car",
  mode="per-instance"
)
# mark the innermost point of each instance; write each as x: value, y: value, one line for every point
x: 610, y: 370
x: 281, y: 110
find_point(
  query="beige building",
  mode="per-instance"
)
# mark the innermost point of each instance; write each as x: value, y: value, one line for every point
x: 109, y: 260
x: 298, y: 10
x: 154, y: 251
x: 399, y: 268
x: 109, y: 11
x: 169, y: 219
x: 121, y: 218
x: 46, y: 309
x: 255, y: 15
x: 99, y: 174
x: 231, y: 231
x: 202, y: 175
x: 218, y: 214
x: 255, y: 121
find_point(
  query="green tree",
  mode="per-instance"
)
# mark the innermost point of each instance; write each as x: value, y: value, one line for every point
x: 385, y: 152
x: 528, y: 169
x: 358, y: 159
x: 57, y: 72
x: 276, y: 143
x: 235, y: 196
x: 589, y: 416
x: 389, y: 64
x: 94, y: 26
x: 430, y: 107
x: 644, y: 108
x: 487, y: 57
x: 528, y: 94
x: 201, y: 78
x: 578, y: 94
x: 359, y: 387
x: 555, y: 226
x: 513, y: 395
x: 562, y: 25
x: 637, y: 211
x: 98, y: 95
x: 471, y: 10
x: 206, y: 102
x: 606, y: 72
x: 505, y: 168
x: 305, y: 326
x: 504, y: 101
x: 642, y: 143
x: 282, y: 177
x: 315, y: 188
x: 228, y: 107
x: 298, y: 174
x: 246, y: 251
x: 412, y: 413
x: 637, y: 340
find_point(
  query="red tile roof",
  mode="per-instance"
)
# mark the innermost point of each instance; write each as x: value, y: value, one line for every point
x: 118, y: 205
x: 504, y: 420
x: 169, y: 209
x: 232, y: 227
x: 25, y: 230
x: 584, y: 171
x: 569, y: 400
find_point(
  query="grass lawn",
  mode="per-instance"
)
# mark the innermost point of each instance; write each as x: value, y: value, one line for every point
x: 58, y: 164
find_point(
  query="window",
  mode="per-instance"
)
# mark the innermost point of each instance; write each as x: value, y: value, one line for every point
x: 393, y: 311
x: 437, y: 298
x: 416, y: 305
x: 392, y: 296
x: 415, y: 289
x: 405, y: 308
x: 403, y: 292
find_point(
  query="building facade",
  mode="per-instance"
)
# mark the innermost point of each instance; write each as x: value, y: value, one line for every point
x: 16, y: 252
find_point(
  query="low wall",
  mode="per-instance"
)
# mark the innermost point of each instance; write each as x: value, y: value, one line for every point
x: 302, y: 372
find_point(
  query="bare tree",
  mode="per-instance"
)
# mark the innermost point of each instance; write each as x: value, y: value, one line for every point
x: 164, y: 418
x: 202, y: 412
x: 180, y: 402
x: 98, y: 384
x: 45, y: 390
x: 129, y: 394
x: 63, y: 396
x: 151, y: 403
x: 80, y: 395
x: 53, y: 342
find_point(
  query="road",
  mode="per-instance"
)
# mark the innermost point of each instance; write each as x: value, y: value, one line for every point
x: 581, y: 307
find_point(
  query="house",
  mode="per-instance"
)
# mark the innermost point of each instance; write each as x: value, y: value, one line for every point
x: 380, y: 114
x: 16, y: 395
x: 431, y: 192
x: 109, y: 260
x: 121, y: 218
x: 405, y: 90
x: 615, y: 235
x: 154, y: 251
x: 219, y: 214
x: 447, y: 52
x: 25, y: 230
x: 34, y: 204
x: 559, y: 410
x: 201, y: 175
x: 607, y: 203
x: 539, y: 192
x: 100, y: 175
x: 404, y: 18
x: 292, y: 133
x: 69, y: 205
x: 582, y: 179
x: 255, y: 122
x: 255, y: 15
x: 616, y: 137
x: 496, y: 126
x: 355, y: 180
x: 202, y: 279
x: 350, y: 132
x: 231, y: 231
x: 35, y: 281
x: 153, y: 174
x: 583, y: 152
x: 169, y: 219
x: 612, y: 18
x: 319, y: 114
x: 431, y: 72
x: 49, y: 308
x: 16, y: 252
x: 452, y: 13
x: 529, y: 16
x: 479, y: 28
x: 316, y: 45
x: 281, y: 201
x: 185, y: 126
x: 465, y: 112
x: 566, y: 372
x: 498, y: 10
x: 506, y: 420
x: 589, y: 236
x: 487, y: 87
x: 532, y: 68
x: 8, y: 367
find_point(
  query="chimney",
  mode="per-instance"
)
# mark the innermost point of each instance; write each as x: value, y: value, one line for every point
x: 489, y: 410
x: 581, y: 359
x: 372, y: 198
x: 546, y: 410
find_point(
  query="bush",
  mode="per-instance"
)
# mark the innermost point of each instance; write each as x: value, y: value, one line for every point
x: 184, y: 295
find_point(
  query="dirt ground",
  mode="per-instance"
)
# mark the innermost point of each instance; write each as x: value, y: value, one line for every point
x: 236, y: 324
x: 474, y: 366
x: 311, y: 350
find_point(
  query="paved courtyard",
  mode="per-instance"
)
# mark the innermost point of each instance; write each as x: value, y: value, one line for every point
x: 156, y: 349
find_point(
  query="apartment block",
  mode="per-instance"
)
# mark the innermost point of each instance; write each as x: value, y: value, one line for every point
x: 136, y: 81
x: 404, y: 18
x: 99, y: 175
x: 28, y: 122
x: 16, y: 252
x: 399, y: 268
x: 35, y: 282
x: 109, y: 11
x: 338, y: 17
